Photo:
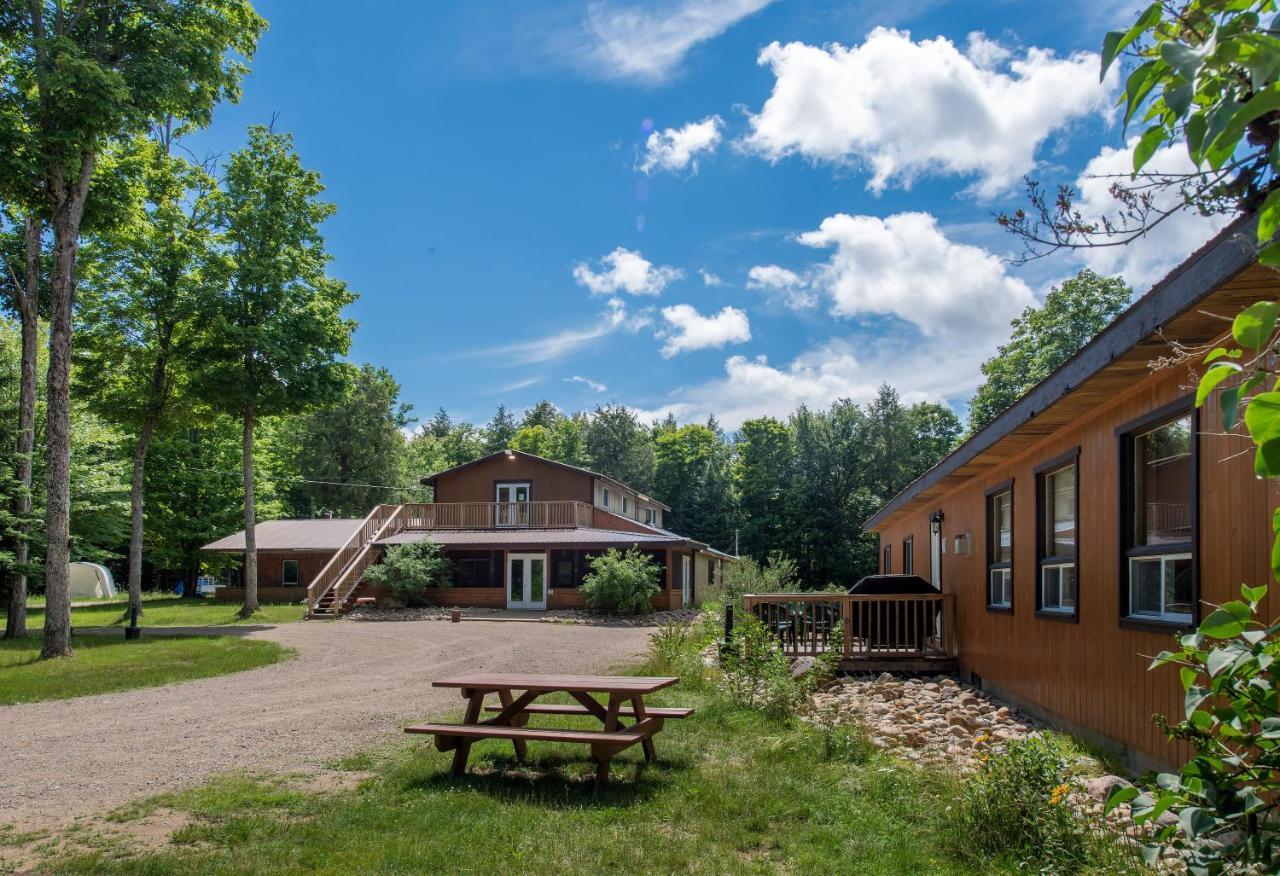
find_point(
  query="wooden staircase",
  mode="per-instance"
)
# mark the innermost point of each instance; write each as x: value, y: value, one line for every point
x: 336, y: 587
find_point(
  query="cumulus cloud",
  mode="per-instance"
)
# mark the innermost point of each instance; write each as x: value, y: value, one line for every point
x: 647, y: 42
x: 689, y: 330
x: 675, y: 149
x: 625, y: 271
x: 904, y: 266
x: 783, y: 284
x: 902, y: 109
x: 593, y: 385
x: 1147, y: 259
x: 754, y: 387
x: 709, y: 279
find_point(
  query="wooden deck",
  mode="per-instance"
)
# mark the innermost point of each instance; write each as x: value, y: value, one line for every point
x: 904, y: 633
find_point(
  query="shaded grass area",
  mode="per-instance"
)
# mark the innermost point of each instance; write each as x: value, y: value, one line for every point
x: 102, y: 665
x: 171, y: 611
x: 732, y: 793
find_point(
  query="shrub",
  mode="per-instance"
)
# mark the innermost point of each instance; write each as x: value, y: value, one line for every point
x: 756, y: 672
x: 621, y: 583
x: 676, y: 649
x: 1227, y: 797
x: 411, y: 569
x: 847, y: 744
x: 778, y: 575
x: 1016, y: 806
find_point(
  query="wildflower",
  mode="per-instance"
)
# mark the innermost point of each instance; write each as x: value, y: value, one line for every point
x: 1058, y: 793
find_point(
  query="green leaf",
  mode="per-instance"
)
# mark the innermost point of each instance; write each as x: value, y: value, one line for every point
x: 1253, y: 326
x: 1263, y: 102
x: 1262, y: 417
x: 1269, y: 255
x: 1182, y: 58
x: 1151, y: 140
x: 1221, y: 624
x: 1222, y: 352
x: 1230, y: 401
x: 1266, y: 462
x: 1195, y: 821
x: 1219, y: 659
x: 1253, y: 595
x: 1139, y: 84
x: 1275, y: 545
x: 1119, y: 794
x: 1214, y: 376
x: 1178, y: 98
x: 1188, y: 676
x: 1117, y: 41
x: 1269, y: 216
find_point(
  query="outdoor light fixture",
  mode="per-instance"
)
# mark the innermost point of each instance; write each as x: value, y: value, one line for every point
x: 511, y: 454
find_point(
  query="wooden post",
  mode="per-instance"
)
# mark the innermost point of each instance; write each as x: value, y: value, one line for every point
x: 846, y: 619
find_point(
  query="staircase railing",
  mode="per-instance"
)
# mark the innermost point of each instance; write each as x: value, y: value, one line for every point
x: 349, y: 580
x: 357, y: 546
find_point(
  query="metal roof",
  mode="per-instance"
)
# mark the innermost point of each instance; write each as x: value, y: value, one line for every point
x: 1233, y: 250
x: 295, y: 535
x: 533, y: 538
x: 430, y: 480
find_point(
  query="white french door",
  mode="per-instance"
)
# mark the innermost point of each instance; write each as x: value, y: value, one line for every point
x: 527, y: 581
x: 935, y: 553
x: 512, y: 508
x: 686, y: 571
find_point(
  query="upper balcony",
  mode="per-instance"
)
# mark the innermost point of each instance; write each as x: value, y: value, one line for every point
x: 496, y: 515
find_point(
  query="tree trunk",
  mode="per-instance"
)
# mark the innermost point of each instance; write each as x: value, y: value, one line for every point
x: 135, y: 515
x: 28, y: 310
x: 250, y: 537
x: 57, y: 570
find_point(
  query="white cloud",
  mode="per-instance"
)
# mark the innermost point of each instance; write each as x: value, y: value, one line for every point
x: 709, y: 279
x: 752, y: 387
x: 625, y: 271
x: 593, y: 385
x: 677, y: 148
x: 783, y: 283
x: 902, y: 109
x: 904, y: 266
x: 564, y: 343
x: 1147, y: 259
x: 690, y: 330
x: 647, y: 42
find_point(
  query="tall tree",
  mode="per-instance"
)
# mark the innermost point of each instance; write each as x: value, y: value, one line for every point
x: 544, y: 414
x: 22, y: 286
x: 765, y: 455
x: 145, y: 279
x: 618, y: 446
x: 349, y: 450
x: 691, y: 474
x: 1045, y: 337
x: 277, y: 327
x: 75, y: 76
x: 500, y: 431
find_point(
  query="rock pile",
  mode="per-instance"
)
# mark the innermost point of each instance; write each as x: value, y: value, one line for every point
x: 934, y: 721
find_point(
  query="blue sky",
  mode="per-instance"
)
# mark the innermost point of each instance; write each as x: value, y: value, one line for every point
x: 688, y: 206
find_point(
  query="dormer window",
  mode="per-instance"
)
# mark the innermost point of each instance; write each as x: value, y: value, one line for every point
x: 648, y: 516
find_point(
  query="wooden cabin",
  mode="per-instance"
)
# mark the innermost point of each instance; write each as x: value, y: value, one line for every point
x: 1100, y: 516
x: 520, y: 530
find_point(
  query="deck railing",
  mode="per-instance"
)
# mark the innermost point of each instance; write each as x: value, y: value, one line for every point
x: 889, y: 627
x: 350, y: 561
x: 497, y: 515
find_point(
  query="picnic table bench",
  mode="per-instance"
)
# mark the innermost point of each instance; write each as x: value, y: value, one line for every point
x: 516, y: 702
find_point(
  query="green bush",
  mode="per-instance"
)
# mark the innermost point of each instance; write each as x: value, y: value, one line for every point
x: 409, y: 570
x: 778, y: 575
x: 756, y: 672
x: 1016, y: 807
x: 621, y: 583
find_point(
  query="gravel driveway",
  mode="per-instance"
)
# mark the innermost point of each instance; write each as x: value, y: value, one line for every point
x: 350, y: 685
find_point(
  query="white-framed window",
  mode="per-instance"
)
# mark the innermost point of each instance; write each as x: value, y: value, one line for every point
x: 648, y: 516
x: 606, y: 497
x: 1056, y: 491
x: 1159, y: 518
x: 1000, y: 548
x: 290, y: 573
x: 624, y: 504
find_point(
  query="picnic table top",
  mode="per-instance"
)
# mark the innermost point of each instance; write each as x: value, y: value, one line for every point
x: 612, y: 684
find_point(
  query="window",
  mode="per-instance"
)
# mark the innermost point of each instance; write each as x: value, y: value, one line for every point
x: 1000, y: 548
x: 886, y: 565
x: 624, y: 504
x: 648, y: 516
x: 289, y: 573
x: 1159, y: 501
x: 476, y: 569
x: 606, y: 497
x: 566, y: 569
x: 908, y: 557
x: 1057, y: 485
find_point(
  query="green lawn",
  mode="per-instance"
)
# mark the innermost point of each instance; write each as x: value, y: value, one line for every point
x: 171, y: 611
x: 102, y: 664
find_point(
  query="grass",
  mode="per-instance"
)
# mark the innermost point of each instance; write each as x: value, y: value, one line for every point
x: 170, y: 611
x: 103, y: 664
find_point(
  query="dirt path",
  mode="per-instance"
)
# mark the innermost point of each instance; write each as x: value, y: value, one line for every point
x: 351, y: 685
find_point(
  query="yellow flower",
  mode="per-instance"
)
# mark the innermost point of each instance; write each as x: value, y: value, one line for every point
x: 1057, y: 795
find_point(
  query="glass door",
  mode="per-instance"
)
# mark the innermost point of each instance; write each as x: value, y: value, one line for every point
x: 512, y: 504
x: 527, y: 581
x: 686, y: 570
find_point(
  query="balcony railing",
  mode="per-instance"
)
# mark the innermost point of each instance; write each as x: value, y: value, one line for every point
x: 497, y: 515
x: 918, y: 627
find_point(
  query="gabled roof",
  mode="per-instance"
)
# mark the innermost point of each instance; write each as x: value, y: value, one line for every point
x: 430, y: 480
x: 295, y: 535
x: 1232, y: 252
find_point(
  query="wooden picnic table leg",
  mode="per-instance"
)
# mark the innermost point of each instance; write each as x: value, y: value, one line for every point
x: 475, y: 704
x: 519, y: 720
x: 650, y: 753
x: 604, y: 755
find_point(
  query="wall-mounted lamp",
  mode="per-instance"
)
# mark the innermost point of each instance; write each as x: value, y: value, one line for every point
x: 964, y: 545
x: 511, y: 454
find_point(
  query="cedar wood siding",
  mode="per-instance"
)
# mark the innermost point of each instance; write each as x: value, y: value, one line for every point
x: 270, y: 571
x: 548, y: 483
x: 1093, y: 673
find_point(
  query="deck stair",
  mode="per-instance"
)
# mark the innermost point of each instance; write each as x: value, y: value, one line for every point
x: 336, y: 587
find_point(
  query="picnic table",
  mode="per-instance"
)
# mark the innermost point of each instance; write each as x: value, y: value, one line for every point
x: 516, y: 703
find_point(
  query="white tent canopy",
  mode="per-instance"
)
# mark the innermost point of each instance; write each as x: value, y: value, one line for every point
x: 91, y: 581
